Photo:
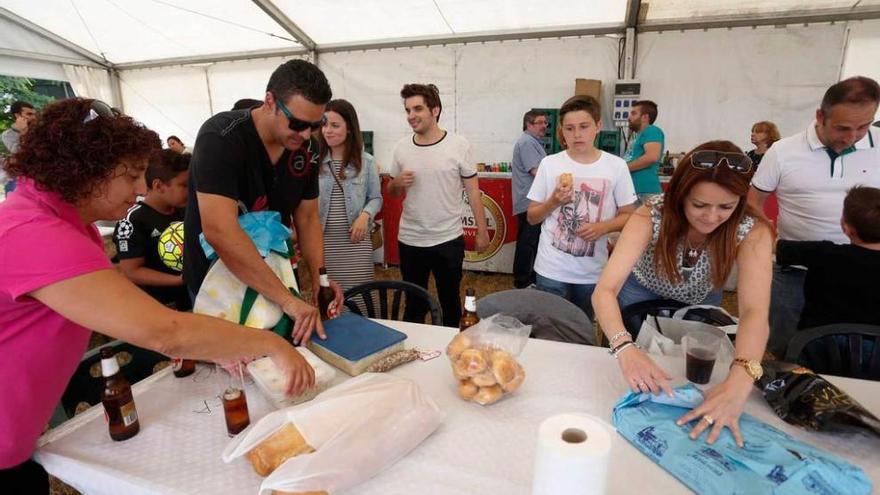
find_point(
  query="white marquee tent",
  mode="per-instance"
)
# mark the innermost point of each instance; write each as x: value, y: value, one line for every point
x: 713, y: 66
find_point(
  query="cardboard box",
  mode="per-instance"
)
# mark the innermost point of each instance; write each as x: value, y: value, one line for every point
x: 589, y: 87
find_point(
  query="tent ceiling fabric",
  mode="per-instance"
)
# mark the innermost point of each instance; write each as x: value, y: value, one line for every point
x: 397, y: 19
x: 168, y: 32
x: 125, y: 31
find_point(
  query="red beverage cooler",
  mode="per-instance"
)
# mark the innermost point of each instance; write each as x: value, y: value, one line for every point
x: 497, y: 199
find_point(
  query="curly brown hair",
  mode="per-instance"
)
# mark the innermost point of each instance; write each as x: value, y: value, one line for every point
x: 63, y: 154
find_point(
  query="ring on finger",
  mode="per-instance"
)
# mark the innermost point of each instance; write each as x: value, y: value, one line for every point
x: 709, y: 419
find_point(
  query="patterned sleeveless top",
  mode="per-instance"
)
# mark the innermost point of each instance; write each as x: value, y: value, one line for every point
x: 696, y: 281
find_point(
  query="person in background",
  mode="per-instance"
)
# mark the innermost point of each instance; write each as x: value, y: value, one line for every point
x: 811, y: 172
x: 841, y: 281
x: 763, y: 135
x: 579, y: 196
x: 682, y: 246
x: 24, y: 116
x: 645, y: 150
x: 176, y: 145
x: 527, y: 155
x: 137, y: 236
x: 350, y: 197
x: 433, y: 167
x: 83, y: 162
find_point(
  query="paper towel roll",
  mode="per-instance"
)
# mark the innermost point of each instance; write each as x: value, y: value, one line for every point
x: 572, y: 456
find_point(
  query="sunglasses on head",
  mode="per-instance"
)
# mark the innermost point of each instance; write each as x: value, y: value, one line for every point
x: 100, y: 109
x: 709, y: 159
x: 299, y: 125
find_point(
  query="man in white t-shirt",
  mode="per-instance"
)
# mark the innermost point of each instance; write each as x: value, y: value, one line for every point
x: 430, y: 167
x: 811, y: 173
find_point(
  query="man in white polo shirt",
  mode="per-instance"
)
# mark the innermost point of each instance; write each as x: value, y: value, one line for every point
x: 431, y: 166
x: 811, y: 173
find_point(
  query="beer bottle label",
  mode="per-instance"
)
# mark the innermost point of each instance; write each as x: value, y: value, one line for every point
x: 129, y: 413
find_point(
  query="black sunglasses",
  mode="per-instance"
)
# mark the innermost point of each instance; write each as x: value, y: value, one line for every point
x: 299, y: 125
x: 100, y: 109
x: 709, y: 159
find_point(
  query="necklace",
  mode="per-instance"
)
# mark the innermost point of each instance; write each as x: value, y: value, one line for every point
x: 694, y: 251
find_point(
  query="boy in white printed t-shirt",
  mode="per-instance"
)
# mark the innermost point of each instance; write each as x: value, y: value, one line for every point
x: 580, y: 194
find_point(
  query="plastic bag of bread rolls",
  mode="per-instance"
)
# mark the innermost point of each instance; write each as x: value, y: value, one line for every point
x: 341, y: 438
x: 483, y: 358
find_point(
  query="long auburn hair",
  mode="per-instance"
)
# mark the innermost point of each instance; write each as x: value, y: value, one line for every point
x: 721, y: 243
x: 354, y: 141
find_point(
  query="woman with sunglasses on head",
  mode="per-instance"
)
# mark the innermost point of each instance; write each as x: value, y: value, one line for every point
x: 84, y: 162
x: 350, y: 197
x: 683, y: 246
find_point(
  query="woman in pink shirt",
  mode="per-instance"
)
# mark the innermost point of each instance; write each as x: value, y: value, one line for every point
x: 84, y: 162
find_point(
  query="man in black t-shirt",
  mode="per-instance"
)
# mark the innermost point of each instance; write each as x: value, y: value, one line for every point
x: 255, y: 160
x: 137, y: 235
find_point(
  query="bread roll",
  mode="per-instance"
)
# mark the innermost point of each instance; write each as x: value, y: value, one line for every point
x: 277, y: 448
x: 566, y: 179
x: 467, y: 389
x: 484, y: 379
x: 474, y: 361
x: 503, y: 368
x: 459, y: 344
x: 488, y: 395
x: 518, y: 378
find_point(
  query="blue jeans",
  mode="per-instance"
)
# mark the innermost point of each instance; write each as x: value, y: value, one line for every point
x: 786, y: 304
x: 634, y: 292
x: 577, y: 294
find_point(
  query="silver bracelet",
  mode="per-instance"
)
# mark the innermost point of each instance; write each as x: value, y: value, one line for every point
x: 617, y: 336
x: 617, y: 350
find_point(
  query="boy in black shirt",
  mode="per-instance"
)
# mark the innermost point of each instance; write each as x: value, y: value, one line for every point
x: 841, y: 283
x: 137, y: 235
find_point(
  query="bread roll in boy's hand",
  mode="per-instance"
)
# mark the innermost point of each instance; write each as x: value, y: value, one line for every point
x: 566, y: 180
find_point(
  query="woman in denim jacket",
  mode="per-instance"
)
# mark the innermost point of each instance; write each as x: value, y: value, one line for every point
x: 350, y: 197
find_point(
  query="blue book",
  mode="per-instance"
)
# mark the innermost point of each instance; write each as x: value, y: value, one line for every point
x: 353, y: 342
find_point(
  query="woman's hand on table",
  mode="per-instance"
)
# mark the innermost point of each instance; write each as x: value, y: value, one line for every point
x: 300, y: 374
x: 641, y: 373
x: 722, y: 406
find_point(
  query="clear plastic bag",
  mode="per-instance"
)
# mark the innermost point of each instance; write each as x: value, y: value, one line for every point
x: 357, y: 429
x: 483, y: 358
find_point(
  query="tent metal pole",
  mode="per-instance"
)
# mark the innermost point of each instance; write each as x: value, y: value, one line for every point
x: 202, y: 59
x: 288, y: 25
x: 629, y: 54
x: 45, y: 57
x: 58, y: 40
x: 771, y: 19
x: 116, y: 89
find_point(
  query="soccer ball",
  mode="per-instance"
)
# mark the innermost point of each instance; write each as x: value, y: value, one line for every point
x: 171, y: 246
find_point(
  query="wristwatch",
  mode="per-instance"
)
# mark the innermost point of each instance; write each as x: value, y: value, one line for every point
x: 752, y: 367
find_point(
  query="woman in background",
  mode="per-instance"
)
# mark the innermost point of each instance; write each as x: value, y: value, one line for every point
x: 764, y: 134
x: 350, y: 197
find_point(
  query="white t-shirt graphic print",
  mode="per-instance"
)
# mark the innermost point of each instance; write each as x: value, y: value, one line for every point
x: 600, y: 188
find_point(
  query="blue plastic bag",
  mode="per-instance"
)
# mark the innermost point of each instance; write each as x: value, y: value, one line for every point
x: 265, y: 230
x: 771, y: 462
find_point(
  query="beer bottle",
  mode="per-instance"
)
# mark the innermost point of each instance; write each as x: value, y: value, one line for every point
x: 469, y: 315
x: 117, y: 399
x: 326, y: 297
x: 183, y: 367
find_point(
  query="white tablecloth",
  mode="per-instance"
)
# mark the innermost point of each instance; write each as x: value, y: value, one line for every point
x: 477, y: 449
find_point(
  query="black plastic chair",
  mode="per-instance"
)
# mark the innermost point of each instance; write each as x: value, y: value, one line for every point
x: 366, y: 296
x: 635, y: 314
x: 845, y: 349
